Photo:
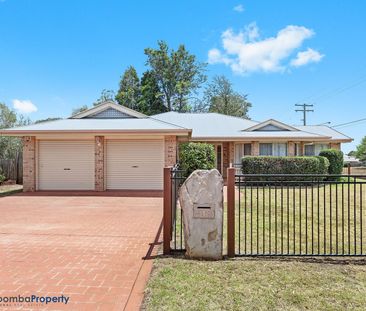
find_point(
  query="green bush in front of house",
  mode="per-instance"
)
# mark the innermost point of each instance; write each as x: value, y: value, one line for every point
x: 335, y: 158
x: 196, y: 156
x: 285, y: 165
x: 323, y: 165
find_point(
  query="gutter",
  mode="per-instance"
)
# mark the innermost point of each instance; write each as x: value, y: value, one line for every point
x: 33, y: 133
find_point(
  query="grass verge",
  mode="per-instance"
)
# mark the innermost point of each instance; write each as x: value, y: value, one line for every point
x: 255, y: 284
x: 6, y: 190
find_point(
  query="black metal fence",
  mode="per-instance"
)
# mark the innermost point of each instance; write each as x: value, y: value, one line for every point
x: 300, y: 215
x: 177, y: 178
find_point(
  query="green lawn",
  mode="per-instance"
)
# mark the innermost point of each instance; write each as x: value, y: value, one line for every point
x: 275, y: 284
x: 260, y: 284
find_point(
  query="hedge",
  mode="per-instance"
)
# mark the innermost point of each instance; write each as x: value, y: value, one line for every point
x: 195, y: 156
x: 335, y: 158
x: 284, y: 165
x: 324, y: 165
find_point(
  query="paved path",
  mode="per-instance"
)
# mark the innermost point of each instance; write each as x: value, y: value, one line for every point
x: 88, y: 248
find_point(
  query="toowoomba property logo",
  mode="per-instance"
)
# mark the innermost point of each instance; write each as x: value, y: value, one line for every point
x: 32, y: 299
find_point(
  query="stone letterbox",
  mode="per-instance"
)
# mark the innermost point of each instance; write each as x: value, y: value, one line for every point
x: 201, y: 199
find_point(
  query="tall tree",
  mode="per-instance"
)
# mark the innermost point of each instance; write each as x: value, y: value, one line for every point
x: 105, y: 96
x: 219, y: 96
x: 79, y: 109
x: 10, y: 146
x: 151, y: 101
x: 178, y: 74
x: 129, y: 89
x: 361, y: 150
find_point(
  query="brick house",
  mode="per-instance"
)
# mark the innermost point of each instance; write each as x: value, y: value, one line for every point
x: 112, y: 147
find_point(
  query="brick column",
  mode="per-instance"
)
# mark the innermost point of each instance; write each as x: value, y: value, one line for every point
x: 255, y: 148
x: 225, y: 157
x: 301, y: 149
x: 336, y: 146
x: 29, y: 164
x: 291, y: 149
x: 231, y: 153
x: 99, y: 163
x: 170, y: 150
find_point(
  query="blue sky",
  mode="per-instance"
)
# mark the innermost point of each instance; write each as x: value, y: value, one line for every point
x: 58, y: 55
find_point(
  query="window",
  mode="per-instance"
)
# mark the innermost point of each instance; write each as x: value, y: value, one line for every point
x: 247, y: 149
x: 320, y: 147
x: 275, y: 149
x: 280, y: 150
x: 309, y: 150
x: 265, y: 149
x: 314, y: 149
x: 242, y: 150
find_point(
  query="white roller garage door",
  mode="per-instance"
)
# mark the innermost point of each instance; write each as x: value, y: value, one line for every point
x: 135, y: 164
x: 66, y: 165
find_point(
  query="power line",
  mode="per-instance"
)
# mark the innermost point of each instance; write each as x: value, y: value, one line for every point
x: 304, y: 110
x: 337, y: 90
x: 348, y: 123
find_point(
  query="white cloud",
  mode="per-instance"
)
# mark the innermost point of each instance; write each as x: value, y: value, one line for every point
x: 239, y: 8
x: 215, y: 56
x: 246, y: 52
x: 24, y: 106
x: 306, y: 57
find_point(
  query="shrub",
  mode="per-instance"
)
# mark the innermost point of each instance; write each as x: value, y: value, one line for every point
x: 335, y: 158
x: 285, y: 165
x: 2, y: 177
x: 323, y: 165
x: 195, y: 156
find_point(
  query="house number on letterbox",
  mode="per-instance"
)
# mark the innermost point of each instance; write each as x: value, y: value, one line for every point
x: 203, y: 211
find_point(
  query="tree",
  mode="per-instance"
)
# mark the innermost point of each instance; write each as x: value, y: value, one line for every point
x: 46, y: 120
x: 219, y: 96
x: 178, y: 74
x: 10, y: 146
x: 361, y: 150
x: 129, y: 89
x: 80, y: 109
x: 105, y: 96
x: 8, y: 118
x: 151, y: 101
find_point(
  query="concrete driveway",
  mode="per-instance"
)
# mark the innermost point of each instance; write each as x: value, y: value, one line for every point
x: 88, y: 248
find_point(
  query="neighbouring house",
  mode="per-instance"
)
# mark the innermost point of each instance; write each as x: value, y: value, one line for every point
x: 112, y: 147
x: 352, y: 161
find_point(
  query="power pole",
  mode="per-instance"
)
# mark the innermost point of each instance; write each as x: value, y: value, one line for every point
x: 304, y: 110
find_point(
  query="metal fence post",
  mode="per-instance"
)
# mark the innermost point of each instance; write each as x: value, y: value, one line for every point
x: 231, y: 212
x: 167, y: 213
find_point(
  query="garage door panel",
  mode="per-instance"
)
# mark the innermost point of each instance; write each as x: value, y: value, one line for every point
x: 135, y: 164
x: 66, y: 165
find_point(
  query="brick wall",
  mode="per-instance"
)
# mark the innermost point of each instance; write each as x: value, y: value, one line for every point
x: 255, y: 148
x: 29, y: 164
x: 336, y: 146
x: 170, y: 150
x: 99, y: 163
x: 231, y: 153
x: 225, y: 157
x: 291, y: 149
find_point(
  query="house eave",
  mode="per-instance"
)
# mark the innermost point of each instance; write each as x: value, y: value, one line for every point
x: 177, y: 132
x: 294, y: 139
